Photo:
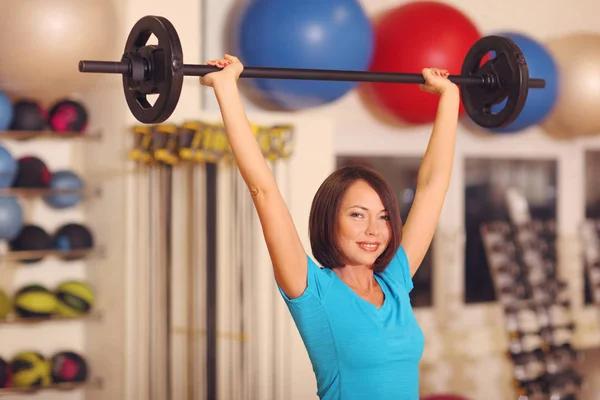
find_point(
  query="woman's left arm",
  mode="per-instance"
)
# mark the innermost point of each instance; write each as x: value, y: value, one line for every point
x: 434, y: 172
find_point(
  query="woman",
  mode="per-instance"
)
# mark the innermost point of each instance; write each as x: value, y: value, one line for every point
x: 354, y: 315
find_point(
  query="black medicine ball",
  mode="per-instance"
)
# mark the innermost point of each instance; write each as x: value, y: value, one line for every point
x: 68, y: 116
x: 5, y: 374
x: 32, y: 173
x: 28, y: 115
x: 68, y: 366
x: 31, y: 238
x: 73, y: 237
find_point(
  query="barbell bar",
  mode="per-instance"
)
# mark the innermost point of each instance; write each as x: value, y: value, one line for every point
x: 159, y: 69
x: 124, y: 67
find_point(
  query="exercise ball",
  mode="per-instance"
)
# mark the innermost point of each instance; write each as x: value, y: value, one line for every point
x: 577, y: 109
x: 70, y: 237
x: 31, y: 238
x: 68, y: 367
x: 311, y: 34
x: 43, y: 41
x: 64, y: 180
x: 5, y: 374
x: 68, y: 116
x: 34, y: 301
x: 409, y: 38
x: 5, y: 307
x: 8, y: 168
x: 31, y: 369
x: 32, y: 173
x: 540, y: 102
x: 6, y: 111
x: 29, y: 115
x: 11, y: 217
x: 75, y: 298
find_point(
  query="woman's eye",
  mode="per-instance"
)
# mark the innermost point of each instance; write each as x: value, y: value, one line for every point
x: 356, y: 215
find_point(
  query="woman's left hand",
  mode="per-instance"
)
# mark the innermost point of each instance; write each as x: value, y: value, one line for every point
x: 436, y: 81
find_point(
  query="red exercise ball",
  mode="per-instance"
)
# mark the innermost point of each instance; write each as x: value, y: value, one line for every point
x: 409, y: 38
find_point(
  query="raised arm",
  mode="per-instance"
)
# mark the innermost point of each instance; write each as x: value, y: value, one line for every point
x: 285, y: 248
x: 434, y: 173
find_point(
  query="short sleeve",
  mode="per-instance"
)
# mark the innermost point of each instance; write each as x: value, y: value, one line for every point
x: 399, y: 270
x: 318, y: 280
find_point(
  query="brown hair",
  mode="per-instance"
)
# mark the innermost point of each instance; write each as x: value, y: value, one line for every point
x: 324, y: 212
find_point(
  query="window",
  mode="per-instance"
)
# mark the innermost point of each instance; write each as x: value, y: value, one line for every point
x: 486, y: 183
x: 401, y: 173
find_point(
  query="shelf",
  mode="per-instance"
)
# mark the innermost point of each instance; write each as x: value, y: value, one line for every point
x: 14, y: 319
x: 33, y: 254
x: 95, y: 383
x: 46, y: 134
x: 41, y: 192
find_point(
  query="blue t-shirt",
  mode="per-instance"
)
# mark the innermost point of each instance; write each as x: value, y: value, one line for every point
x: 358, y: 351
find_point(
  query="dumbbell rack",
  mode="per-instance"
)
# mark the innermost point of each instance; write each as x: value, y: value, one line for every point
x: 590, y: 236
x: 522, y: 259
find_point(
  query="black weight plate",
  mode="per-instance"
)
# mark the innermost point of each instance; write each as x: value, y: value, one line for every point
x: 510, y: 76
x: 161, y: 70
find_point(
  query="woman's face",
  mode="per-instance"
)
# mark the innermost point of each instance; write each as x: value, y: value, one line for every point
x: 363, y: 230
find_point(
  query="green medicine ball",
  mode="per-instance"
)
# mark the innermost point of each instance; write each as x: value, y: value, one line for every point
x: 5, y: 305
x: 74, y: 298
x: 30, y: 369
x: 34, y: 301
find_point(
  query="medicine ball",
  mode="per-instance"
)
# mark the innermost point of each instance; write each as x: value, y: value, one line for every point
x: 64, y: 180
x: 73, y: 236
x: 32, y: 173
x: 6, y: 112
x: 8, y: 168
x: 30, y: 369
x: 5, y: 374
x: 11, y: 217
x: 68, y: 116
x: 31, y: 238
x: 5, y: 305
x: 68, y: 366
x: 34, y: 301
x: 28, y: 115
x: 74, y: 298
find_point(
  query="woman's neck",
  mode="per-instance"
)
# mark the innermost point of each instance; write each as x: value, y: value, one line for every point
x: 359, y: 277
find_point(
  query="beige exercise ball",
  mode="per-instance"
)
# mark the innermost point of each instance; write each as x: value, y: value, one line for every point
x: 42, y: 42
x: 577, y: 110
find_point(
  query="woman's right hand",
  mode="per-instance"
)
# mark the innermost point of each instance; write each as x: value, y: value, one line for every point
x: 231, y: 68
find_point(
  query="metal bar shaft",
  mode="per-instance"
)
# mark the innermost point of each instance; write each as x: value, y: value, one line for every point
x: 123, y: 67
x: 328, y: 75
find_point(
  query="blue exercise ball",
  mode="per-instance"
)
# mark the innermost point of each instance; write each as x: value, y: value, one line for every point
x: 540, y: 102
x: 8, y: 168
x: 308, y: 34
x: 11, y: 217
x: 64, y: 179
x: 6, y: 112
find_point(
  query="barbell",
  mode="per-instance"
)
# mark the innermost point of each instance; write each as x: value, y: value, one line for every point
x: 159, y: 69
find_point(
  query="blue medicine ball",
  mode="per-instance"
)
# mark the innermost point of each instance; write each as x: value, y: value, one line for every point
x: 8, y: 168
x: 308, y: 34
x: 541, y: 64
x: 6, y: 112
x: 11, y: 217
x: 64, y: 180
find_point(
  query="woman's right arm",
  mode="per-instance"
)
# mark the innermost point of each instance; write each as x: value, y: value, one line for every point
x: 285, y: 247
